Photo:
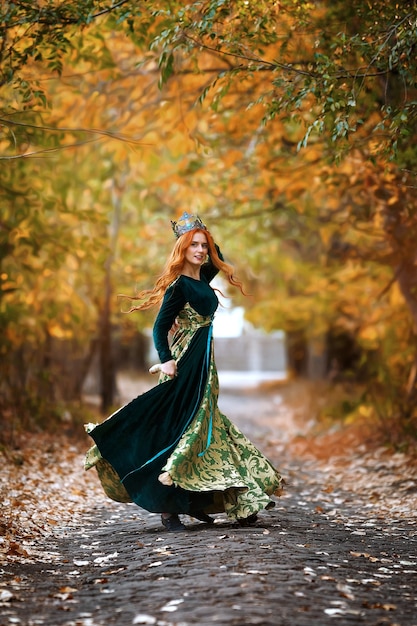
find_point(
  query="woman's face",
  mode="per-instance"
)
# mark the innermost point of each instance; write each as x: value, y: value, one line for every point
x: 196, y: 253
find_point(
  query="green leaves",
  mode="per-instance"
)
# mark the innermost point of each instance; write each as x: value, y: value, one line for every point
x: 166, y: 67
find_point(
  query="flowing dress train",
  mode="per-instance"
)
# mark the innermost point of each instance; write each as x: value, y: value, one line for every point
x: 171, y: 449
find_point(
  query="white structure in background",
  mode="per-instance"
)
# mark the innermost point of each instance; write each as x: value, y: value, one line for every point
x: 245, y: 356
x: 229, y: 322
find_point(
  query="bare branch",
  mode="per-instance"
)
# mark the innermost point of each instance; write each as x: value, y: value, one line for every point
x: 91, y: 131
x: 35, y: 153
x: 295, y: 67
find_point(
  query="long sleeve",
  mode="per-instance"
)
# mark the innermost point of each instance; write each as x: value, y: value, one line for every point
x: 208, y: 270
x: 172, y: 304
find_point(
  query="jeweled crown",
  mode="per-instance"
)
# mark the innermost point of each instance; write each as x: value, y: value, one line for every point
x: 185, y: 223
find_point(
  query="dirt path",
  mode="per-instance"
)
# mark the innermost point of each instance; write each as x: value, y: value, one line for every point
x: 340, y: 546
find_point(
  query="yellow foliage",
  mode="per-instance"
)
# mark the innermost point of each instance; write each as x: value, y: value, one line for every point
x: 365, y: 410
x: 18, y: 233
x: 6, y: 285
x: 371, y: 336
x: 55, y: 330
x: 395, y: 296
x: 72, y: 263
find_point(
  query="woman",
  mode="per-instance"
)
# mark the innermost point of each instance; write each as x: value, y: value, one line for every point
x: 170, y: 450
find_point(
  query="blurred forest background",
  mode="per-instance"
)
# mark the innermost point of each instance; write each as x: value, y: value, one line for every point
x: 290, y: 126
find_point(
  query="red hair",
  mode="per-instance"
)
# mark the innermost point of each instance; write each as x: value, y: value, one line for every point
x: 174, y: 266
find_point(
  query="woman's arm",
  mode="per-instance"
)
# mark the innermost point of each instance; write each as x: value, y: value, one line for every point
x: 172, y: 304
x: 209, y: 270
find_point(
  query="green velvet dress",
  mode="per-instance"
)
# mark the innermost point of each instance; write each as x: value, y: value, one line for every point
x: 171, y: 449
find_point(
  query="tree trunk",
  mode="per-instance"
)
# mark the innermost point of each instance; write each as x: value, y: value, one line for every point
x: 401, y: 228
x: 407, y: 281
x: 106, y: 368
x: 107, y: 364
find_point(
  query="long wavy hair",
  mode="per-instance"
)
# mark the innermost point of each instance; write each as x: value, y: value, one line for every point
x: 174, y: 267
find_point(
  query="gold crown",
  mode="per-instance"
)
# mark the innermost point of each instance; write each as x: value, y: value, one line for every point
x: 185, y: 223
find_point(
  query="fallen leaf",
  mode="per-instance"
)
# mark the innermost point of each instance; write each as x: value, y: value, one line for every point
x: 63, y: 596
x: 15, y: 548
x: 345, y: 591
x: 103, y: 559
x: 332, y: 612
x: 142, y: 618
x: 6, y: 596
x: 172, y: 605
x: 380, y: 605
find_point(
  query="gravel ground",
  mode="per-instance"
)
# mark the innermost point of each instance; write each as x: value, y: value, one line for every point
x: 339, y: 548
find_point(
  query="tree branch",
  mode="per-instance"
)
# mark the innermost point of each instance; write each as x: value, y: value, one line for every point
x: 295, y: 67
x: 91, y: 131
x: 46, y: 20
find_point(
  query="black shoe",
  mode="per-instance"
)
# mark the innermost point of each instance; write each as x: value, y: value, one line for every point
x: 248, y: 521
x: 172, y: 523
x: 203, y: 517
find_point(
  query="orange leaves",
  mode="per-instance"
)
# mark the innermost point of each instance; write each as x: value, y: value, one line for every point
x: 14, y: 549
x: 232, y: 157
x: 34, y: 507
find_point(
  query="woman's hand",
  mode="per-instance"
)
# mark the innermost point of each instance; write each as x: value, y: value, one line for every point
x: 169, y: 368
x: 174, y: 328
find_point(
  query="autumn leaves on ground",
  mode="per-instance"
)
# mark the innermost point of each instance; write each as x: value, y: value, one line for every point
x: 44, y: 487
